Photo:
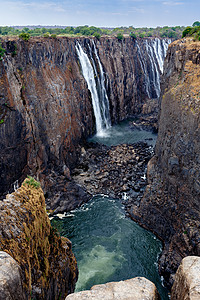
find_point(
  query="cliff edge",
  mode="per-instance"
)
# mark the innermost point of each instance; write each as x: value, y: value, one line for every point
x: 170, y: 206
x: 48, y: 266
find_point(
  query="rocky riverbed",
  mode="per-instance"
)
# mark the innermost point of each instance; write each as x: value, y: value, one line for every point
x: 116, y: 171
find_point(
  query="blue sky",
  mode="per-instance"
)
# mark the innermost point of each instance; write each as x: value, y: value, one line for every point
x: 108, y: 13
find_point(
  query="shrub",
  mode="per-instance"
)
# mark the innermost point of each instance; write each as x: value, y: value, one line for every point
x: 2, y: 51
x: 30, y: 181
x: 54, y: 36
x: 24, y: 36
x: 186, y: 31
x: 46, y: 35
x: 120, y: 36
x: 133, y: 35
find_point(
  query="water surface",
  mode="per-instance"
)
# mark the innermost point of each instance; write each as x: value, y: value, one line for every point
x: 109, y: 246
x: 123, y: 134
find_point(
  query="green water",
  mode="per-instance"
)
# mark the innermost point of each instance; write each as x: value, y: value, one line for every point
x: 108, y: 246
x: 123, y: 134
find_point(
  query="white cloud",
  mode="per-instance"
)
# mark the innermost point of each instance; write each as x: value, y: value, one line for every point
x: 137, y: 10
x: 171, y: 3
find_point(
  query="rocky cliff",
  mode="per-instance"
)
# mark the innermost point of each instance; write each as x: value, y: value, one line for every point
x: 46, y: 110
x: 46, y: 264
x: 170, y: 206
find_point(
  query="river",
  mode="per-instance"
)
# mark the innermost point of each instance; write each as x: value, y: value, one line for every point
x: 109, y: 246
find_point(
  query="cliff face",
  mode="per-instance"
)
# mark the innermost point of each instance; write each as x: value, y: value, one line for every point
x: 170, y: 206
x: 49, y: 269
x: 46, y: 109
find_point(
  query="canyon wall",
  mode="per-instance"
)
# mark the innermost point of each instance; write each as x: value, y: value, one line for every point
x: 42, y: 265
x: 46, y: 110
x: 170, y: 206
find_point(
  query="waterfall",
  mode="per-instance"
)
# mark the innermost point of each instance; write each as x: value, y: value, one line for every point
x: 151, y: 54
x: 160, y: 49
x: 96, y: 87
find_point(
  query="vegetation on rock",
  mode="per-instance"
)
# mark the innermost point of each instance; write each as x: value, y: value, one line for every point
x: 120, y: 36
x: 2, y: 51
x: 24, y: 36
x: 30, y: 181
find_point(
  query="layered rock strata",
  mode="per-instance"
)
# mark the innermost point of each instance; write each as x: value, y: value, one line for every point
x: 48, y: 266
x: 45, y: 109
x: 45, y: 105
x: 187, y: 280
x: 170, y: 206
x: 138, y: 288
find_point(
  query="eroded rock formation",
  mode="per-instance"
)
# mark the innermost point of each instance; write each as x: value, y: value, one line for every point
x: 170, y: 206
x: 138, y: 288
x: 49, y: 268
x: 46, y: 109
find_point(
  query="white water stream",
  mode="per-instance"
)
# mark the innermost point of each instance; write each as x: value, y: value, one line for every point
x: 96, y: 87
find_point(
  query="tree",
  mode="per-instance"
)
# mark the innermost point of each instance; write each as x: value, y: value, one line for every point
x: 197, y: 23
x: 133, y: 35
x: 97, y: 35
x: 24, y: 36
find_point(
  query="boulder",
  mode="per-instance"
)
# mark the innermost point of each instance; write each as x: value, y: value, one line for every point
x: 138, y: 288
x: 10, y: 278
x: 187, y: 280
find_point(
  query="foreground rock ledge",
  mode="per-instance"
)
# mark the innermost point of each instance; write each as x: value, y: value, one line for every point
x: 187, y: 280
x: 10, y: 278
x: 138, y: 288
x: 49, y: 268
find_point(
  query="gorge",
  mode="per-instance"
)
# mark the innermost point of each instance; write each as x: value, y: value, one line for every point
x: 48, y: 111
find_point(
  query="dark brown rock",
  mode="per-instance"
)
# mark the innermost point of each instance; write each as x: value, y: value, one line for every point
x: 170, y: 206
x: 45, y: 106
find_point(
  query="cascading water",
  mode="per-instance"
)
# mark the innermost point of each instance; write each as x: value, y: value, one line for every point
x: 97, y: 88
x: 160, y: 49
x: 151, y: 56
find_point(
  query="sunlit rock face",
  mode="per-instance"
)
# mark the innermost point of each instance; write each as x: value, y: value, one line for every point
x: 187, y: 280
x: 170, y: 206
x: 38, y: 263
x: 10, y: 278
x: 138, y: 288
